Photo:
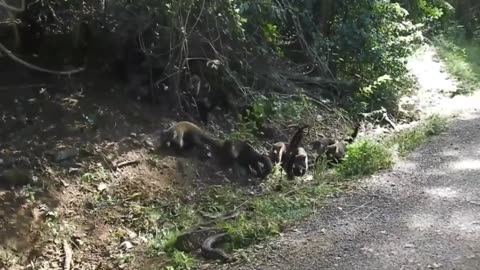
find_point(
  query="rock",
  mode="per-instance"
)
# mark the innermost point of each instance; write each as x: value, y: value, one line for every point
x: 65, y: 154
x: 131, y: 234
x: 126, y: 245
x: 101, y: 187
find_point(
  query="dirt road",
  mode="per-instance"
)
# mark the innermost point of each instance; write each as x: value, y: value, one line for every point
x: 422, y: 214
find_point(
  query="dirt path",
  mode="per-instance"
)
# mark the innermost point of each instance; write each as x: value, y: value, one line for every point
x: 422, y: 214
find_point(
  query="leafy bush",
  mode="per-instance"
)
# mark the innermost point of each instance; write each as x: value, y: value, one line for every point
x: 365, y: 157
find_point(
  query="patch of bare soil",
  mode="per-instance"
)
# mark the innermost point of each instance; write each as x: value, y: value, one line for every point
x: 97, y: 179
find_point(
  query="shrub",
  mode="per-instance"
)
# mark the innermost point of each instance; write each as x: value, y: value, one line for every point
x: 365, y: 157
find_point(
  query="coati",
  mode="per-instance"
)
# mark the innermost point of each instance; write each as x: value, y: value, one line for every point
x: 300, y: 164
x: 277, y: 152
x: 292, y: 151
x: 320, y: 146
x: 186, y: 135
x: 243, y: 154
x: 207, y: 99
x: 336, y: 152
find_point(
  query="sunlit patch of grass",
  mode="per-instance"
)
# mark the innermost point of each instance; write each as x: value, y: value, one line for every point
x: 365, y: 157
x: 408, y: 139
x: 462, y: 59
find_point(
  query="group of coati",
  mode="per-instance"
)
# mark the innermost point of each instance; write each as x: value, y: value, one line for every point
x: 291, y: 156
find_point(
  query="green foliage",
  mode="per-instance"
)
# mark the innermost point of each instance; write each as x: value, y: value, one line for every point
x: 434, y: 125
x: 462, y: 60
x: 263, y: 109
x: 181, y: 261
x: 365, y: 157
x: 372, y: 44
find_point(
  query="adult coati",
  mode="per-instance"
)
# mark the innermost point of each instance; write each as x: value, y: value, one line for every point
x: 185, y: 135
x: 300, y: 164
x: 292, y: 151
x: 336, y: 152
x: 243, y: 154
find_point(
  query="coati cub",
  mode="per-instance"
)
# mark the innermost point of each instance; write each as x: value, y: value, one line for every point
x: 186, y: 135
x: 292, y: 150
x: 320, y: 146
x: 243, y: 154
x: 300, y: 164
x: 277, y: 152
x: 336, y: 152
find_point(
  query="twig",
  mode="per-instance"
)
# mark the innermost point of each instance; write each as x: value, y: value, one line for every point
x: 23, y: 86
x: 127, y: 163
x: 34, y: 67
x: 68, y: 255
x: 389, y: 121
x: 110, y: 165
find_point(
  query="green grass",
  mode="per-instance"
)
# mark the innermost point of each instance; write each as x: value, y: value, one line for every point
x: 262, y: 217
x: 462, y: 59
x: 365, y: 157
x: 408, y: 139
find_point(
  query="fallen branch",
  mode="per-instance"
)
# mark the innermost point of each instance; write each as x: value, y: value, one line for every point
x: 127, y: 163
x: 68, y: 255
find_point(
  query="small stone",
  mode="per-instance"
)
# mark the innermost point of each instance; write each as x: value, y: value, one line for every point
x: 409, y: 246
x: 126, y: 245
x: 437, y: 265
x: 65, y: 154
x: 101, y: 187
x: 131, y: 234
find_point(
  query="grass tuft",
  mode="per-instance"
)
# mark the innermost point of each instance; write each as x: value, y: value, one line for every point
x: 365, y: 157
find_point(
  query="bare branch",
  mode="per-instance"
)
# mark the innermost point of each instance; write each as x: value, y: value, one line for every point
x: 37, y: 68
x: 12, y: 8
